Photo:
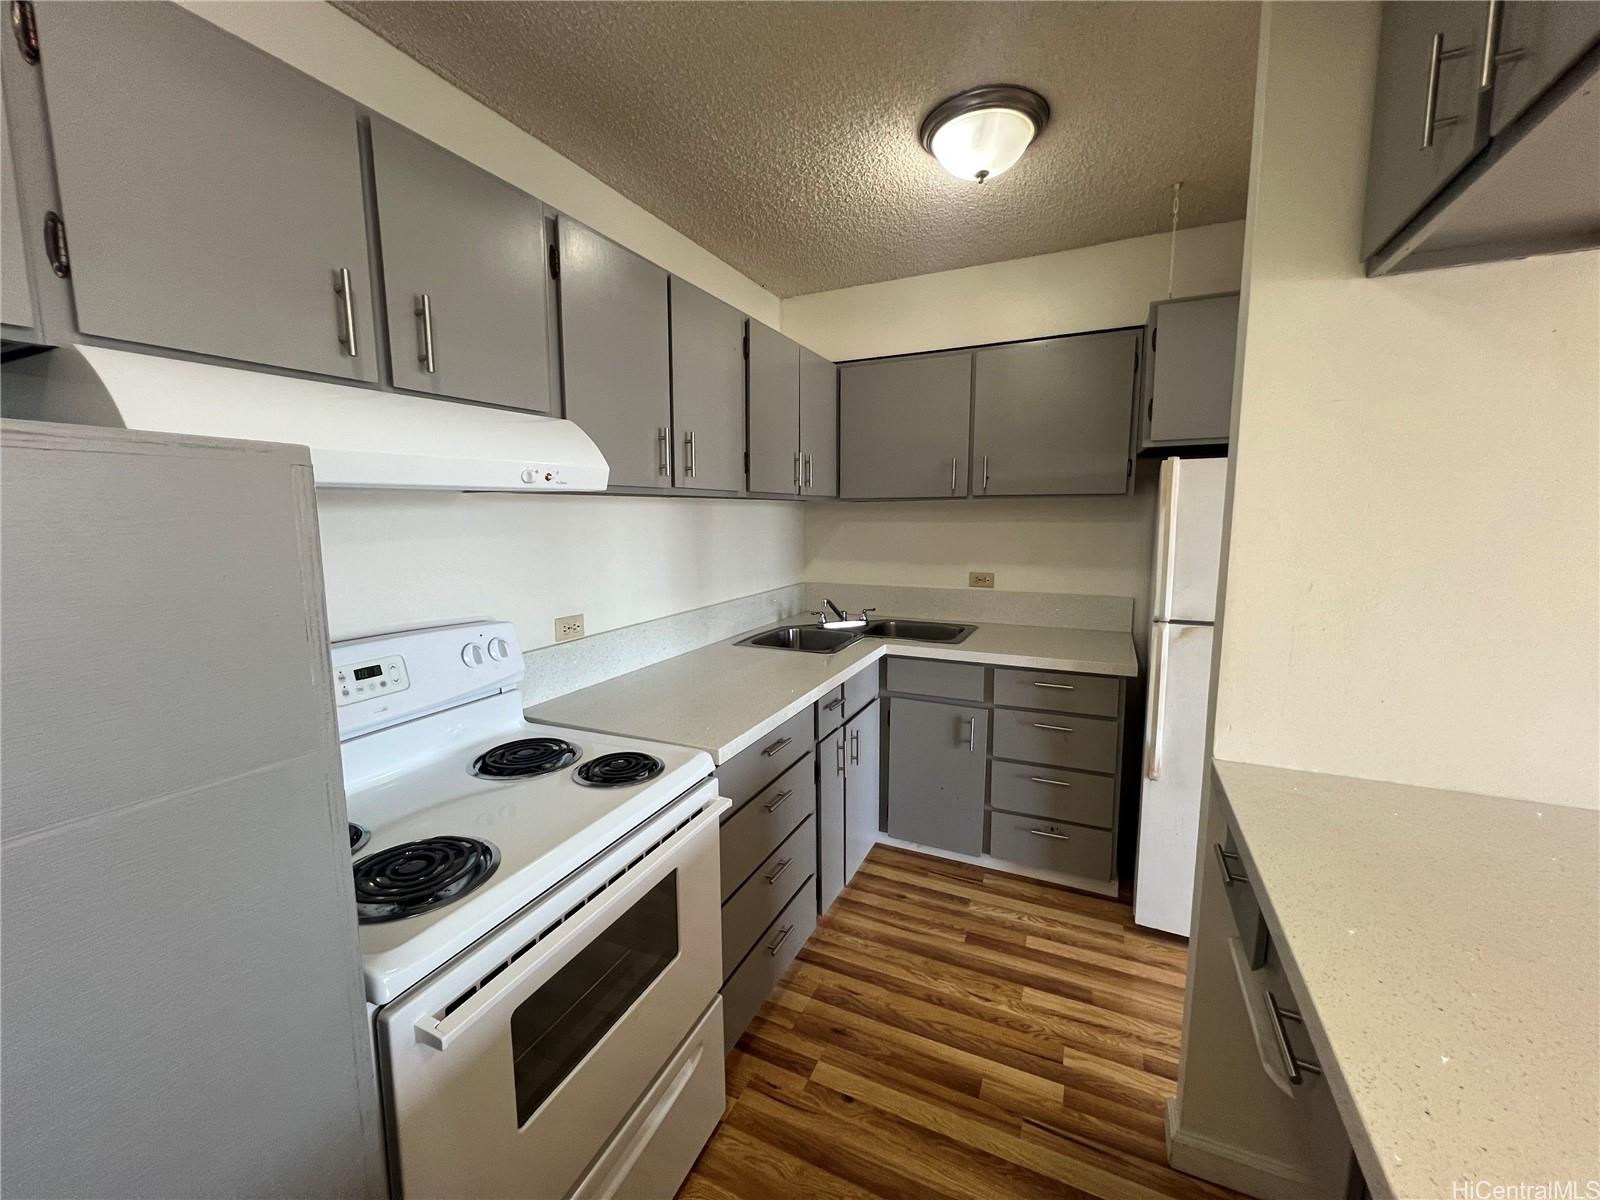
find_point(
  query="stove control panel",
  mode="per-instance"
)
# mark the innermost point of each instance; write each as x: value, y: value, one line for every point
x: 355, y: 682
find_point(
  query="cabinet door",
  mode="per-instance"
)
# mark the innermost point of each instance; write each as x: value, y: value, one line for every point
x: 1545, y: 37
x: 1188, y: 380
x: 615, y: 361
x: 832, y: 815
x: 936, y: 773
x: 464, y: 275
x: 16, y: 300
x: 861, y: 792
x: 1425, y: 122
x: 774, y: 411
x: 819, y: 425
x: 707, y: 390
x: 903, y: 426
x: 212, y: 195
x: 1055, y: 418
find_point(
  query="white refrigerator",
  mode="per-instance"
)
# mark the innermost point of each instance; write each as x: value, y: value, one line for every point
x: 1183, y: 607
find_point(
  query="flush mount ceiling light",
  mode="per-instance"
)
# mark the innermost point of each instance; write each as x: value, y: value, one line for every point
x: 980, y: 133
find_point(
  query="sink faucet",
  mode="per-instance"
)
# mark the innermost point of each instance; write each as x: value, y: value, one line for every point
x: 840, y: 616
x: 837, y: 611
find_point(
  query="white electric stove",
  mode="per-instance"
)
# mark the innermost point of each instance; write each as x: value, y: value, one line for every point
x: 540, y: 927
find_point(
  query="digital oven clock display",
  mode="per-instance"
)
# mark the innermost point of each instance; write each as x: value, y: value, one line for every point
x: 361, y: 673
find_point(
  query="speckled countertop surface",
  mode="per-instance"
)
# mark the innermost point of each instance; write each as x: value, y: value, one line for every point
x: 1445, y: 948
x: 723, y: 697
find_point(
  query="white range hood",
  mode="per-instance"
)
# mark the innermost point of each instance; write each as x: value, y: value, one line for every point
x: 358, y: 438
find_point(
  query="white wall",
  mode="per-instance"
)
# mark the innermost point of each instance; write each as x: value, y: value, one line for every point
x: 1413, y: 587
x: 1080, y: 544
x: 397, y: 559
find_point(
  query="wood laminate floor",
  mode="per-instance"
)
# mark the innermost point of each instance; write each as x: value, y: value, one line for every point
x: 950, y: 1031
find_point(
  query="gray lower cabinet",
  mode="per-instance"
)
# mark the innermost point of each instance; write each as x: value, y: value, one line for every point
x: 773, y: 412
x: 903, y: 426
x: 16, y: 296
x: 212, y: 195
x: 1425, y: 117
x: 862, y: 793
x: 707, y: 390
x: 1055, y: 417
x: 465, y: 275
x: 819, y: 425
x: 1538, y: 40
x: 753, y: 979
x: 937, y: 766
x: 832, y: 764
x: 1188, y: 371
x: 615, y: 359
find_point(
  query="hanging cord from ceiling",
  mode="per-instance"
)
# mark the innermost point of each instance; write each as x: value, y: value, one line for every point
x: 1172, y: 252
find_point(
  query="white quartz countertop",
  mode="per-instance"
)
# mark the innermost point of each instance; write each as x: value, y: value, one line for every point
x: 723, y: 697
x: 1445, y: 949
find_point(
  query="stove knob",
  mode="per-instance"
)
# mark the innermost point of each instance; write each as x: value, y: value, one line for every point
x: 472, y: 654
x: 498, y: 649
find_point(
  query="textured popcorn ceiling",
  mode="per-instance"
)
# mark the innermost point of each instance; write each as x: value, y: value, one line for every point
x: 782, y: 136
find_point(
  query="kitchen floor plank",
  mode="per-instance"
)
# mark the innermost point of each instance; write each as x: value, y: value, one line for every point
x: 955, y: 1033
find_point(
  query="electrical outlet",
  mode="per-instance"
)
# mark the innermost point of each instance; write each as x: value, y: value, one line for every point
x: 569, y: 628
x: 980, y: 579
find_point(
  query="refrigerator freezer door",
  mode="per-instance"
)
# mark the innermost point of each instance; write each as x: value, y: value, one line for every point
x: 1189, y: 539
x: 1174, y: 768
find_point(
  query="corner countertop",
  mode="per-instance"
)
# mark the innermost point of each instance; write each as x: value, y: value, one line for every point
x: 723, y: 697
x: 1443, y: 946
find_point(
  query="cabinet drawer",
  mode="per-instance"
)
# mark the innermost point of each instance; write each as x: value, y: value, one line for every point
x: 830, y: 712
x: 1088, y: 743
x: 750, y: 770
x: 762, y: 897
x: 861, y: 689
x: 1247, y: 918
x: 1051, y: 792
x: 1052, y: 846
x: 925, y: 677
x: 757, y: 829
x: 753, y: 980
x: 1096, y: 694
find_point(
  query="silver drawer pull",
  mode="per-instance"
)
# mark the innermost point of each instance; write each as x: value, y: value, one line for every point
x: 778, y: 870
x: 777, y: 943
x: 1293, y: 1065
x: 1060, y: 837
x: 772, y: 805
x: 775, y: 747
x: 1060, y: 687
x: 424, y: 309
x: 1051, y: 782
x: 1225, y: 859
x: 1052, y: 728
x: 833, y: 704
x: 342, y: 288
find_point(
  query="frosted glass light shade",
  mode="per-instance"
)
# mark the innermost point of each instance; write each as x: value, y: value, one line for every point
x: 979, y: 134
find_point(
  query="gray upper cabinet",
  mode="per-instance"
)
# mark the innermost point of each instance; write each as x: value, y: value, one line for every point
x: 615, y: 360
x: 862, y: 795
x: 707, y: 390
x: 903, y: 426
x: 937, y: 767
x: 1538, y: 40
x: 819, y: 425
x: 16, y: 298
x: 1425, y: 122
x: 774, y: 412
x: 212, y: 195
x: 1188, y: 371
x: 1055, y: 417
x: 464, y: 275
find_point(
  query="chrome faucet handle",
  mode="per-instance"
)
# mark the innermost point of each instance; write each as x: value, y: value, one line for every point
x: 820, y: 615
x: 865, y: 611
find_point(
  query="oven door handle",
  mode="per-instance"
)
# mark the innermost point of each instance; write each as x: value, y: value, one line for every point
x: 440, y: 1031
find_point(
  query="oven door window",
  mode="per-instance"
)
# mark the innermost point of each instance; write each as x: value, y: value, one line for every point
x: 554, y: 1028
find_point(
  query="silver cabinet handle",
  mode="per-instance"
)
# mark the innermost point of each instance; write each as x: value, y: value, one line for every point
x: 662, y: 434
x: 807, y: 484
x: 1490, y: 36
x: 772, y: 805
x: 855, y: 747
x: 1052, y: 728
x: 1225, y: 859
x: 955, y: 466
x: 777, y: 871
x: 1060, y: 687
x: 985, y: 472
x: 775, y: 747
x: 777, y: 943
x: 342, y: 288
x: 1295, y: 1067
x: 424, y: 309
x: 797, y: 470
x: 1437, y: 54
x: 839, y: 768
x: 1051, y: 782
x: 1049, y: 833
x: 833, y: 704
x: 688, y: 454
x: 972, y: 735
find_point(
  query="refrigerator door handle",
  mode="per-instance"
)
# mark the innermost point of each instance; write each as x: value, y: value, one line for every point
x: 1155, y: 735
x: 1169, y: 536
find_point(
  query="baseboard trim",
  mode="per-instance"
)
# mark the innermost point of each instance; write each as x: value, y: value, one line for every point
x: 1228, y: 1166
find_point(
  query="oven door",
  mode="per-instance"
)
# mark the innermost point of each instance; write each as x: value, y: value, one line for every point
x: 508, y: 1072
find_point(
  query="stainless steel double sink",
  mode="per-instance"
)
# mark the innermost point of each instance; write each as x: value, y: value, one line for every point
x: 813, y: 639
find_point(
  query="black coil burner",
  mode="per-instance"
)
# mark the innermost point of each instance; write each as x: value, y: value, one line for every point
x: 414, y: 877
x: 618, y: 770
x: 358, y: 836
x: 529, y: 756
